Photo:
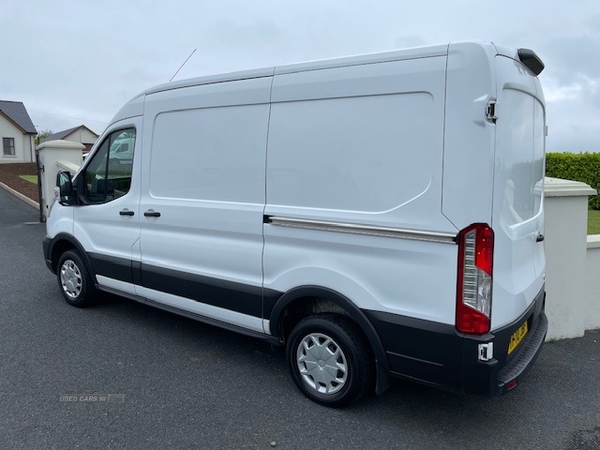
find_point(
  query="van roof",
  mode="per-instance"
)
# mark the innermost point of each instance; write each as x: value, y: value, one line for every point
x: 394, y: 55
x: 135, y: 105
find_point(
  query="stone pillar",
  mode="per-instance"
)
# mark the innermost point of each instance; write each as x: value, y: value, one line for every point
x: 566, y: 205
x: 55, y: 156
x: 592, y: 306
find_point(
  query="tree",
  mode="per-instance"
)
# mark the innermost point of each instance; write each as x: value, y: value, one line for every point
x: 42, y: 135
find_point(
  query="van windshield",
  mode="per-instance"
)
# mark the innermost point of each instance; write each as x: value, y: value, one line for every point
x: 520, y: 156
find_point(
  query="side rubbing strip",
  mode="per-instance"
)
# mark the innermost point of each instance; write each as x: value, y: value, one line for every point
x: 444, y: 238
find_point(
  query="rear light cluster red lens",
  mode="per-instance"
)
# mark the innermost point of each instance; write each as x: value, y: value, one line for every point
x: 474, y: 287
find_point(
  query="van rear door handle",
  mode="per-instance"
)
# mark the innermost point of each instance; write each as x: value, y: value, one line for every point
x: 126, y: 212
x: 151, y: 213
x: 540, y: 238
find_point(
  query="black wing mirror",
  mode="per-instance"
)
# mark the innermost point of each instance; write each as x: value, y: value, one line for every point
x: 64, y: 188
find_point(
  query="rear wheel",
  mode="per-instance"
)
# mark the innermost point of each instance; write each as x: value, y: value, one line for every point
x: 74, y: 280
x: 329, y: 360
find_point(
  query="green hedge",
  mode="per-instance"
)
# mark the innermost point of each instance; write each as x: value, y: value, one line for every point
x: 583, y: 167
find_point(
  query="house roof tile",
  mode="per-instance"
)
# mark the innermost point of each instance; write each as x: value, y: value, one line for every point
x: 17, y: 113
x: 63, y: 134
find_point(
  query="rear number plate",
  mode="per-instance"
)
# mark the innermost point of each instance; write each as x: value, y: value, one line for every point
x: 517, y: 337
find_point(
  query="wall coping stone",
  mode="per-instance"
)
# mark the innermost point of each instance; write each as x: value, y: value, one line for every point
x: 557, y: 187
x: 61, y: 144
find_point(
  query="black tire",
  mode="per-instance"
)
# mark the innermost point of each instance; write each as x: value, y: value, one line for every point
x: 340, y: 369
x: 74, y: 281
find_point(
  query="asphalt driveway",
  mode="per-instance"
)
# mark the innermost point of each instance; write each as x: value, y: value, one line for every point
x: 122, y: 375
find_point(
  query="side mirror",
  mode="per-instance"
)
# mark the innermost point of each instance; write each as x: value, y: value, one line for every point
x: 64, y: 186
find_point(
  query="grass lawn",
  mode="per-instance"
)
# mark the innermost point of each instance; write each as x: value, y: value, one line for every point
x: 30, y: 178
x: 593, y: 222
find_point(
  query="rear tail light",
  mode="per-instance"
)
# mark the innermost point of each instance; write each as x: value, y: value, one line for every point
x: 474, y: 290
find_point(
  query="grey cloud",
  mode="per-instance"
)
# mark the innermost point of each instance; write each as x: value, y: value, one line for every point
x: 248, y: 35
x: 411, y: 40
x: 573, y: 55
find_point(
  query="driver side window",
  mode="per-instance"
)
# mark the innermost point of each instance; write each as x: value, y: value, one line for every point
x: 108, y: 174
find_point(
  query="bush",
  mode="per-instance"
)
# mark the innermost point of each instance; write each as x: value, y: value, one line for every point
x: 583, y: 167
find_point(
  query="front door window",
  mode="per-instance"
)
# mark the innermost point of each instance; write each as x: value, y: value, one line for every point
x: 108, y: 175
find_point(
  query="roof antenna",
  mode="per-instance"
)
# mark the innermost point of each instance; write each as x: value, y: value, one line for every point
x: 180, y: 67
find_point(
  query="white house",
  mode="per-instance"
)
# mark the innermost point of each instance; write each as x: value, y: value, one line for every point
x: 17, y: 132
x: 81, y: 134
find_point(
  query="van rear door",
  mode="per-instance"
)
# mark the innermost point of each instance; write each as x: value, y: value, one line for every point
x: 518, y: 213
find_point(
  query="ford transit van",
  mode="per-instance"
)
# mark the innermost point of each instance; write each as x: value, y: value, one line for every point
x: 378, y: 215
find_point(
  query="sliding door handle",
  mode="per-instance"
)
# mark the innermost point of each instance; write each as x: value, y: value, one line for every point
x: 151, y: 213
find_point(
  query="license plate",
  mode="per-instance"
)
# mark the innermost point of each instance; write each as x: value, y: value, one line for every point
x: 517, y: 337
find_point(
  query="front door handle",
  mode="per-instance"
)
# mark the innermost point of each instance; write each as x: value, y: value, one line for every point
x: 126, y: 212
x: 151, y: 213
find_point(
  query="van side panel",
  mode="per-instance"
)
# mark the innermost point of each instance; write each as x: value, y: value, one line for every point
x: 468, y: 136
x: 361, y: 146
x: 360, y: 134
x: 204, y: 173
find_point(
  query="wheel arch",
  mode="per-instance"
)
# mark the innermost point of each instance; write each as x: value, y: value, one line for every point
x: 300, y: 296
x: 63, y: 242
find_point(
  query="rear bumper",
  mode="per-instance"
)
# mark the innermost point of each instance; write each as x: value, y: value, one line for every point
x: 504, y: 371
x: 437, y: 355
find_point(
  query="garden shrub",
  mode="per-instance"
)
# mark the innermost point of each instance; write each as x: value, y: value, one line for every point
x: 584, y: 167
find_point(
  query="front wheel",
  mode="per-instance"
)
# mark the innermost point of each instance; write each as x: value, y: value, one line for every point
x: 329, y: 360
x: 74, y: 280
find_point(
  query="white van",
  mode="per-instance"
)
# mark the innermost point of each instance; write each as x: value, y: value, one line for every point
x: 378, y: 215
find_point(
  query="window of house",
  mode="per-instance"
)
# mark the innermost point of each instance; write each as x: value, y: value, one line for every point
x: 9, y: 146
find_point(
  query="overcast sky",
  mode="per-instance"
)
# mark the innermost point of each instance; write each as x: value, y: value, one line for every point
x: 74, y: 62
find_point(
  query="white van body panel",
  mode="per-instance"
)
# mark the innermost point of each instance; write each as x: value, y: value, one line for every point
x: 361, y: 60
x: 480, y: 160
x: 356, y: 266
x: 518, y: 213
x: 370, y: 134
x: 468, y: 136
x: 100, y: 228
x: 61, y: 221
x: 133, y: 108
x: 360, y: 122
x: 204, y: 172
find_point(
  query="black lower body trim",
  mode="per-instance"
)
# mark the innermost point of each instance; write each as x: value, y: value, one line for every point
x: 111, y: 267
x: 420, y: 350
x: 47, y: 257
x: 238, y: 297
x: 437, y: 355
x: 246, y: 299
